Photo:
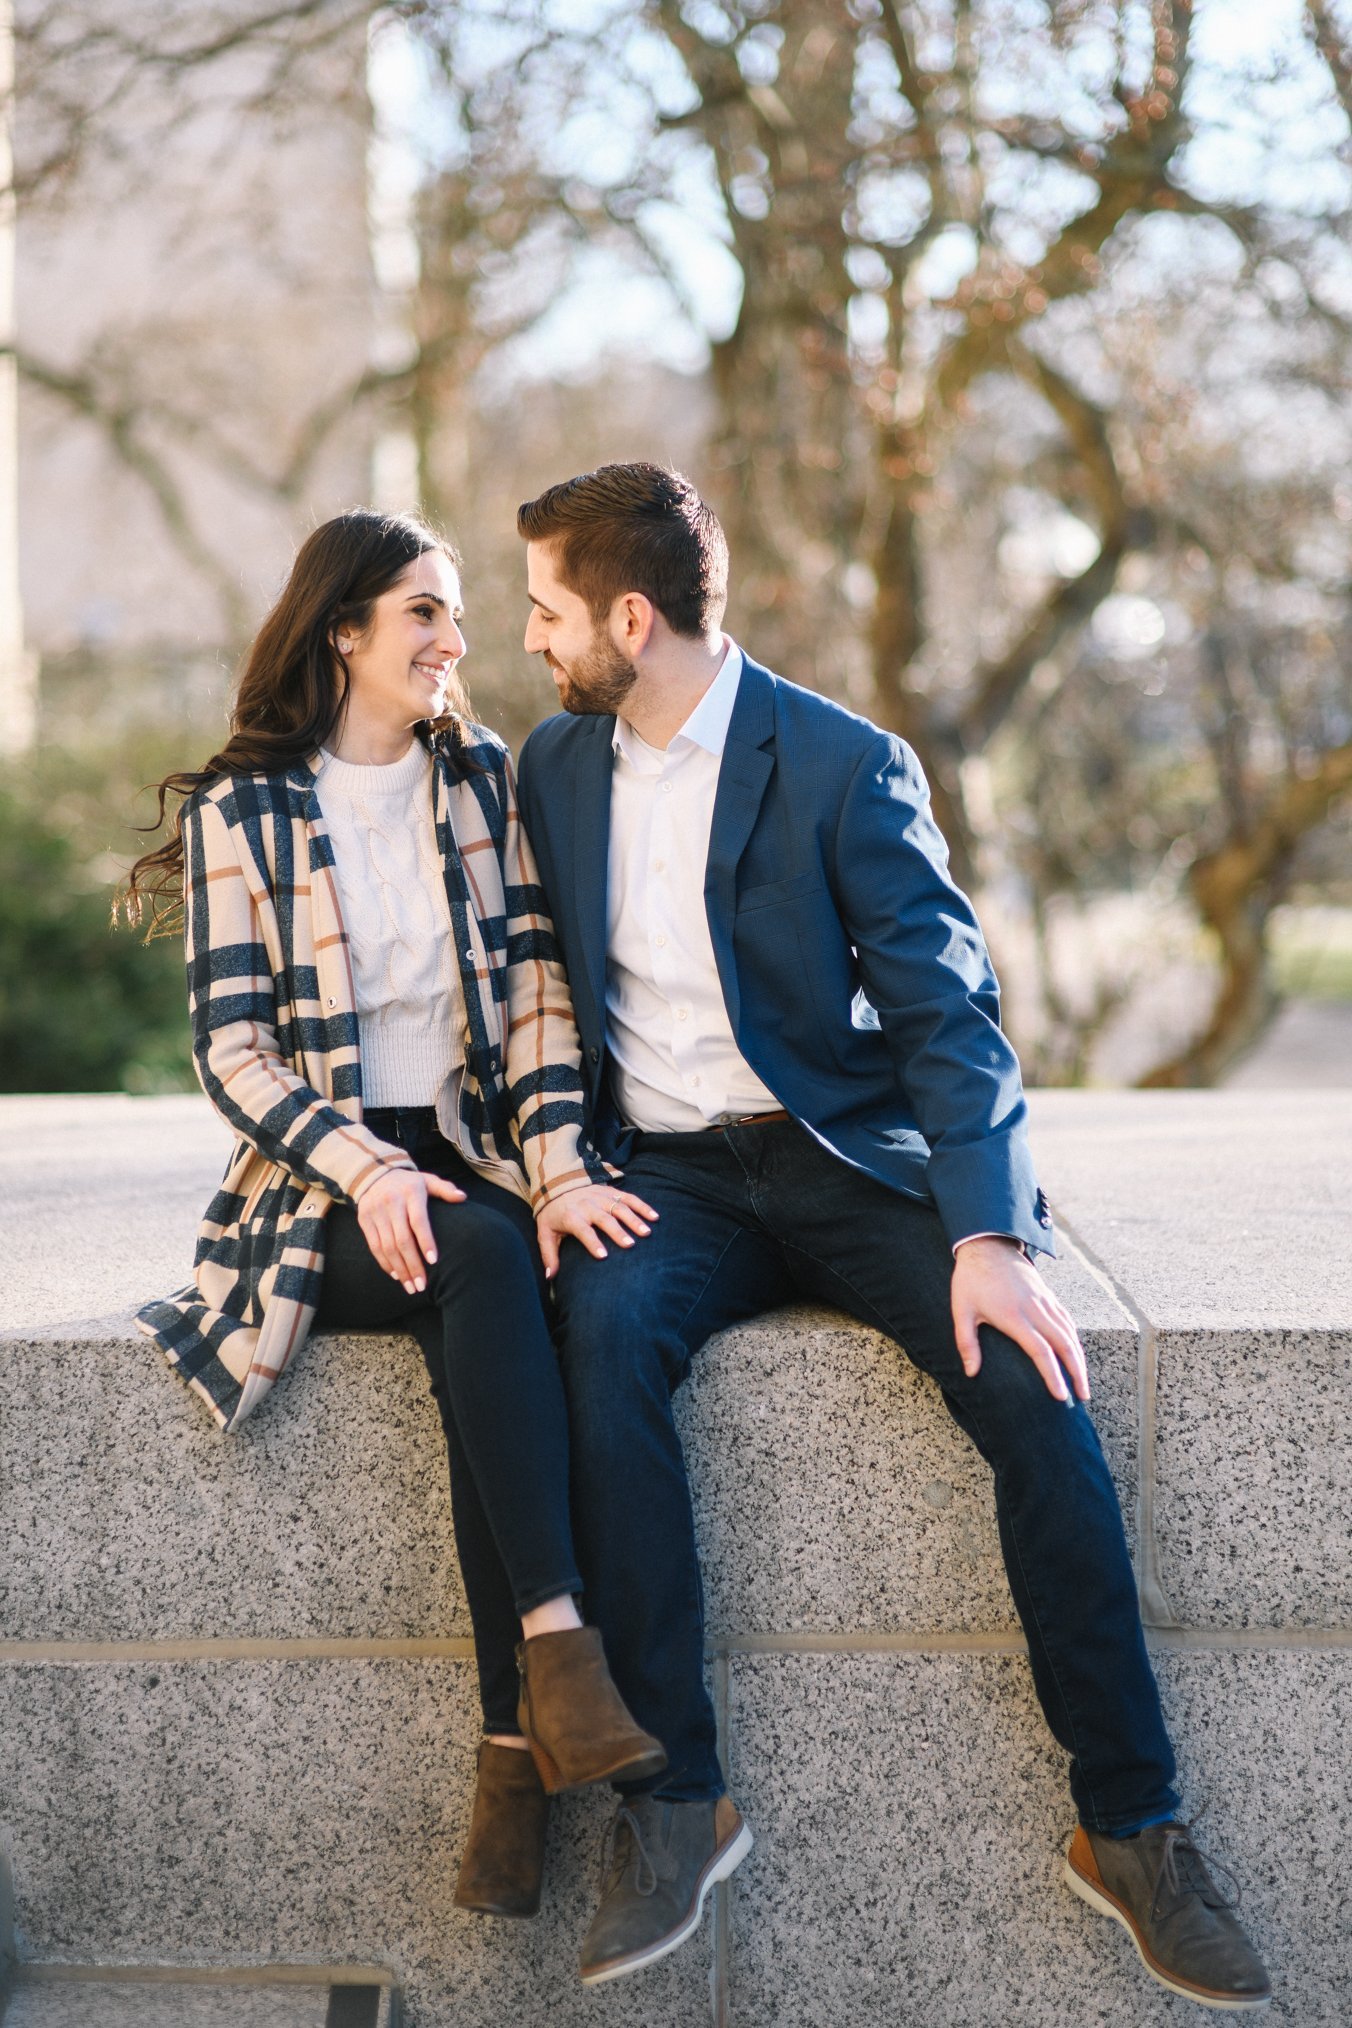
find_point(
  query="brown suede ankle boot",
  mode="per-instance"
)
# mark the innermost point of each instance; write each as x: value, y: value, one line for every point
x: 504, y: 1857
x: 575, y: 1721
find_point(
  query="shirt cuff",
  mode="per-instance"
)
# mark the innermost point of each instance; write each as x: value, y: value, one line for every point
x: 989, y: 1235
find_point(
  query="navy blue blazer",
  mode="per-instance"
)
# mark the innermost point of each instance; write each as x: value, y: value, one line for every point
x: 854, y: 973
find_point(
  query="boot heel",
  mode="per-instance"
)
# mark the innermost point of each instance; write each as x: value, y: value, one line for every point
x: 551, y: 1781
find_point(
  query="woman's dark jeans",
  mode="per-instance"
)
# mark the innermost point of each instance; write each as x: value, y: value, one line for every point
x: 481, y: 1324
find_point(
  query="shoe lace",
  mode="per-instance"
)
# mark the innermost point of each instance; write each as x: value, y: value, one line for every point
x: 1185, y: 1867
x: 645, y: 1877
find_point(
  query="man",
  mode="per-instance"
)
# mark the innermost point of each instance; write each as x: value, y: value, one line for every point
x: 791, y: 1030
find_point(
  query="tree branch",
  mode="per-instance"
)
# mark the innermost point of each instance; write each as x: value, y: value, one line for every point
x: 1068, y: 605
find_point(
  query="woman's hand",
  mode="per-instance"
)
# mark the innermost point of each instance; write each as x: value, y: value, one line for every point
x: 587, y: 1213
x: 392, y: 1213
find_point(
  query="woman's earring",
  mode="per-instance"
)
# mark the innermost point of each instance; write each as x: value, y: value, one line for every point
x: 345, y: 647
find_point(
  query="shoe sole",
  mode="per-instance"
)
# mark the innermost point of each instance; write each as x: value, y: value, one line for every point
x: 1099, y: 1899
x: 638, y: 1768
x: 497, y: 1909
x: 724, y: 1862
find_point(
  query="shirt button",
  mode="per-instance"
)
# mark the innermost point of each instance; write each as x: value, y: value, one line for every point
x: 660, y: 941
x: 697, y: 1079
x: 682, y: 1013
x: 666, y: 788
x: 659, y: 866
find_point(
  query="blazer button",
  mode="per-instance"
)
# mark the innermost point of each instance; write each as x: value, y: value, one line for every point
x: 595, y: 1055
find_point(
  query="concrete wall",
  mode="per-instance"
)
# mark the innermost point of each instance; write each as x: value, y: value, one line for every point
x: 236, y: 1709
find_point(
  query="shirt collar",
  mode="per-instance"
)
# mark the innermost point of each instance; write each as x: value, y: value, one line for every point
x: 707, y: 725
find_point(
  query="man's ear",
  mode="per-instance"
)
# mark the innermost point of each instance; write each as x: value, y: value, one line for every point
x: 633, y: 618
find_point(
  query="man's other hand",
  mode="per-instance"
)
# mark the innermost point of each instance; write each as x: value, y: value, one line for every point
x: 994, y: 1284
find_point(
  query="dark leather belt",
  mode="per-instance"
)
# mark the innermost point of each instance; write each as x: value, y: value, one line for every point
x: 752, y: 1120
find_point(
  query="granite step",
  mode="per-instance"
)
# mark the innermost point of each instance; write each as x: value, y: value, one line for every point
x: 96, y: 1997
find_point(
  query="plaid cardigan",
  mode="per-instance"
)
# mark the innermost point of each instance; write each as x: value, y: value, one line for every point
x: 275, y: 1037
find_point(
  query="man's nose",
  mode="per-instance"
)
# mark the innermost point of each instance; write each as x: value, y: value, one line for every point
x: 535, y: 634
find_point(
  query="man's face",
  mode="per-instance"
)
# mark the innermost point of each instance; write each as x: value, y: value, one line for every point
x: 591, y: 674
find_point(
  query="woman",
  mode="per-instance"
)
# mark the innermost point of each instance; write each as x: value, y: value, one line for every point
x: 379, y: 1012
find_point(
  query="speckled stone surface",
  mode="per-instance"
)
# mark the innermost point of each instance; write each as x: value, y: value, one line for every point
x: 910, y: 1813
x: 834, y: 1492
x: 109, y: 2004
x: 306, y: 1811
x: 1254, y: 1467
x: 128, y: 1515
x: 1217, y: 1210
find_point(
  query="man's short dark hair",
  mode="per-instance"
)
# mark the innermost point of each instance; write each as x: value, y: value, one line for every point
x: 635, y: 528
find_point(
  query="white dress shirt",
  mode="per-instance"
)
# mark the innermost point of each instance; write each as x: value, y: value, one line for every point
x: 675, y: 1066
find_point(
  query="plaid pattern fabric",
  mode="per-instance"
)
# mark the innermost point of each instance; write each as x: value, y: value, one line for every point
x: 274, y: 1021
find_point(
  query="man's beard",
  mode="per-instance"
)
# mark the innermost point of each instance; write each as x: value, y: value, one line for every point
x: 597, y: 684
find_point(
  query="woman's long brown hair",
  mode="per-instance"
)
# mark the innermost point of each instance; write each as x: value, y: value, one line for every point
x: 293, y: 688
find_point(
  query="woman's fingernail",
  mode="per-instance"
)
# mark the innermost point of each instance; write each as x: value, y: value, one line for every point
x: 432, y: 1255
x: 420, y: 1285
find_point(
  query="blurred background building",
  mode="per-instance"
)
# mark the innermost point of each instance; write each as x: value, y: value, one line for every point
x: 1013, y: 348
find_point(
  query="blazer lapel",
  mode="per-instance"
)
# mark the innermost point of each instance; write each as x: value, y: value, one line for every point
x: 743, y: 777
x: 591, y: 854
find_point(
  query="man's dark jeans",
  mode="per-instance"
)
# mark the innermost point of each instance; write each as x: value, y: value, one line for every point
x: 482, y: 1324
x: 755, y: 1217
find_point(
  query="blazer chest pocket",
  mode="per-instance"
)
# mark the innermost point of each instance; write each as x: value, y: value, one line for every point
x: 768, y: 892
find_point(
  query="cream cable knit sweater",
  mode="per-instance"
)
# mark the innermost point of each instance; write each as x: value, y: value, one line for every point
x: 410, y: 1007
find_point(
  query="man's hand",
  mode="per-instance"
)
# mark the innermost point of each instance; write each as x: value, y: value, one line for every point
x: 994, y: 1284
x: 392, y: 1213
x: 587, y: 1213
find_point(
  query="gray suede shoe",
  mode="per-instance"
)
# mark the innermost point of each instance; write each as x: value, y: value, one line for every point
x: 660, y: 1861
x: 1157, y: 1886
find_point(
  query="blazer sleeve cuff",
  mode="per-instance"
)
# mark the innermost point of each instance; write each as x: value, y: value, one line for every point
x: 990, y: 1187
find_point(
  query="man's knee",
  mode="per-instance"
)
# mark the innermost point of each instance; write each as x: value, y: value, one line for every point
x: 1014, y: 1403
x: 616, y: 1337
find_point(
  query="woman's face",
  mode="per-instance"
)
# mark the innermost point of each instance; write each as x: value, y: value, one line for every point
x: 400, y: 666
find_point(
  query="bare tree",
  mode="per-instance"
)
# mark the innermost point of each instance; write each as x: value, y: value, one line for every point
x: 920, y: 199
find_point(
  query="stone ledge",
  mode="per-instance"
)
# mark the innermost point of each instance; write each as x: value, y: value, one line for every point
x: 832, y: 1490
x: 907, y: 1802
